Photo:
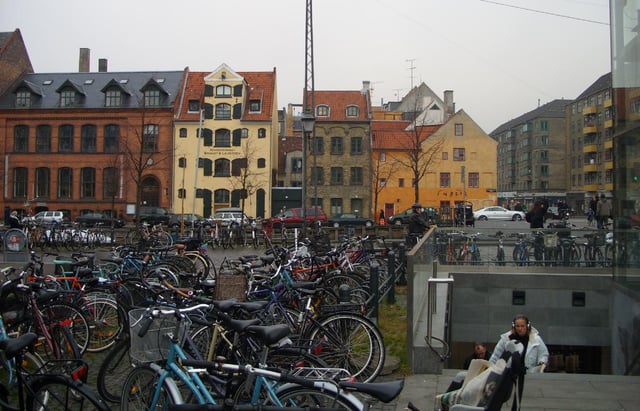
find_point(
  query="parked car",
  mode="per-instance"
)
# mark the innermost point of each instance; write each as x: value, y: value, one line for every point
x: 498, y: 213
x: 101, y: 219
x: 189, y: 220
x: 430, y: 214
x: 338, y: 220
x: 292, y: 217
x: 46, y: 217
x: 230, y: 216
x: 154, y: 215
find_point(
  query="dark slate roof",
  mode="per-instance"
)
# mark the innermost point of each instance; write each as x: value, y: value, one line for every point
x: 553, y: 109
x: 601, y: 84
x: 92, y: 85
x: 4, y: 36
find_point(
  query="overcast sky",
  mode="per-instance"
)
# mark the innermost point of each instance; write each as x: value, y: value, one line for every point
x: 499, y: 59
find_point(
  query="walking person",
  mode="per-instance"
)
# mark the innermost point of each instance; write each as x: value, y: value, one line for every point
x: 417, y: 224
x: 535, y: 216
x: 593, y: 208
x: 603, y: 211
x: 535, y: 353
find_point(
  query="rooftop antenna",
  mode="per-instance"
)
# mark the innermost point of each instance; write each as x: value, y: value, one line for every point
x: 411, y: 68
x: 397, y: 93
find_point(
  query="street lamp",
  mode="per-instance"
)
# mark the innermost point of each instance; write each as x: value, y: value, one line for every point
x: 308, y: 125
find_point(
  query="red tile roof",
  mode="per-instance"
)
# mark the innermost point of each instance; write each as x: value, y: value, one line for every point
x: 338, y: 101
x: 391, y: 135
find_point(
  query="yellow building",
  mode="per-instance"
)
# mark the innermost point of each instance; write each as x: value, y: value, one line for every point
x: 226, y: 126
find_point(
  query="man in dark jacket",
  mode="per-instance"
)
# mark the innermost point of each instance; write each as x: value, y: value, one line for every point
x: 417, y: 222
x: 535, y: 216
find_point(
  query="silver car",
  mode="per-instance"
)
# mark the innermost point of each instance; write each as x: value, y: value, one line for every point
x: 498, y: 213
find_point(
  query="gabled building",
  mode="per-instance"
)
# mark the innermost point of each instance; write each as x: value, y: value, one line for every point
x: 14, y: 59
x: 339, y: 162
x: 225, y: 142
x: 532, y: 154
x: 88, y: 141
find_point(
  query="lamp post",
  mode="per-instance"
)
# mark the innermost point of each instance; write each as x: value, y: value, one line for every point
x: 308, y: 124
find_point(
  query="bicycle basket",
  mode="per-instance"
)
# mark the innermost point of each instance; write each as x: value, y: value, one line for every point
x: 154, y: 345
x: 550, y: 240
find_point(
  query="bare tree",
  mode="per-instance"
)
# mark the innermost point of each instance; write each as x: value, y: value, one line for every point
x: 383, y: 170
x: 245, y: 176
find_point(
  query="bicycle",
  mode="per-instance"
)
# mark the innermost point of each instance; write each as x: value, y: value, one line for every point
x: 469, y: 253
x: 593, y: 253
x: 500, y: 257
x: 521, y: 249
x: 46, y: 388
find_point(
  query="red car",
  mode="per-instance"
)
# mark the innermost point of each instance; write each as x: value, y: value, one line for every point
x: 292, y: 217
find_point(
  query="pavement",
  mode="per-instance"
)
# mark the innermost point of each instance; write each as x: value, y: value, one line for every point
x: 542, y: 392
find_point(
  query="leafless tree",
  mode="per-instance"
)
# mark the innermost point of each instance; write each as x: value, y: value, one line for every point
x: 245, y: 176
x: 383, y: 169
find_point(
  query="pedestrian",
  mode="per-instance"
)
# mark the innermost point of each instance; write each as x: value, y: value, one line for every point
x: 603, y: 211
x: 593, y: 208
x: 14, y: 221
x: 535, y: 353
x: 381, y: 218
x: 417, y: 225
x: 535, y: 216
x: 480, y: 352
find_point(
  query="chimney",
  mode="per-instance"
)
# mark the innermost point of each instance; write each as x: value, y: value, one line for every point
x: 102, y: 65
x: 366, y: 86
x: 84, y: 63
x: 448, y: 102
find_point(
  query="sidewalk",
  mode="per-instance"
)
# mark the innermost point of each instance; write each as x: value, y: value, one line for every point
x: 542, y: 392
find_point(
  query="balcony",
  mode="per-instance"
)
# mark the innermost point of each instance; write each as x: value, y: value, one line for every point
x: 590, y: 129
x: 608, y: 186
x: 608, y: 144
x: 590, y: 187
x: 608, y: 165
x: 607, y: 103
x: 590, y: 148
x: 608, y: 123
x: 590, y: 168
x: 589, y: 110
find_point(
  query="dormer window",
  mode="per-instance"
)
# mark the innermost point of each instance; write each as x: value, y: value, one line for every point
x: 23, y: 99
x: 322, y: 111
x: 353, y: 111
x: 113, y: 98
x: 223, y: 90
x: 152, y: 97
x: 194, y: 106
x: 68, y: 98
x: 255, y: 106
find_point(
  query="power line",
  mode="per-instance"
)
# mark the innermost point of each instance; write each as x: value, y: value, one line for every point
x: 546, y: 12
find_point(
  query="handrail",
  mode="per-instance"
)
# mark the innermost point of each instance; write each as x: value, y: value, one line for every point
x: 431, y: 291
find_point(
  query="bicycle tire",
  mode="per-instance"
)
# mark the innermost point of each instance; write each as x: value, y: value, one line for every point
x: 350, y: 341
x: 31, y: 362
x: 113, y: 371
x: 79, y: 327
x: 139, y: 388
x: 62, y: 393
x: 105, y: 322
x: 296, y: 396
x: 500, y: 257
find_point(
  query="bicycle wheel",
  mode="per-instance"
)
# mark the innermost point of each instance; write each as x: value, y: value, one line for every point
x: 349, y: 341
x: 139, y: 388
x: 59, y: 392
x: 104, y: 321
x: 114, y: 371
x: 200, y: 264
x: 296, y: 396
x: 71, y: 317
x: 31, y: 362
x: 597, y: 258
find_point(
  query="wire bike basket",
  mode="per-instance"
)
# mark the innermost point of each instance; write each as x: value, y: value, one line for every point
x: 154, y: 345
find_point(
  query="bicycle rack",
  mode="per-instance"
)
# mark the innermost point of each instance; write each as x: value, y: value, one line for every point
x: 432, y: 284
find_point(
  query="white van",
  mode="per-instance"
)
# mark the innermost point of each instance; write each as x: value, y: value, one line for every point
x: 49, y: 217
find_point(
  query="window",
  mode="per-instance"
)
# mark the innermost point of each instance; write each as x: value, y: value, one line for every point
x: 110, y: 180
x: 544, y: 125
x: 152, y: 97
x: 221, y: 196
x: 318, y: 145
x: 88, y: 140
x: 383, y: 182
x: 150, y: 138
x: 262, y: 163
x: 544, y: 140
x: 183, y: 132
x: 336, y: 175
x: 336, y: 145
x: 223, y: 138
x: 237, y: 165
x: 445, y: 180
x: 194, y: 106
x: 336, y: 206
x: 65, y: 138
x: 383, y: 157
x: 42, y: 183
x: 322, y: 111
x: 65, y: 182
x: 182, y: 162
x: 255, y: 106
x: 352, y: 111
x: 113, y: 98
x: 222, y: 168
x: 401, y: 182
x: 111, y: 138
x: 262, y: 132
x: 88, y: 182
x: 356, y: 205
x: 544, y: 170
x: 20, y: 182
x: 23, y: 99
x: 182, y: 193
x: 474, y: 180
x: 244, y: 133
x: 317, y: 175
x: 459, y: 130
x: 356, y: 176
x: 67, y: 98
x: 223, y: 91
x: 21, y: 139
x: 296, y: 165
x: 458, y: 154
x: 356, y: 145
x: 445, y: 155
x: 223, y: 111
x: 43, y: 139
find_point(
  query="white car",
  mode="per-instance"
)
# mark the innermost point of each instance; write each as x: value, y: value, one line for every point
x: 497, y: 213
